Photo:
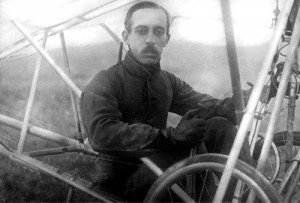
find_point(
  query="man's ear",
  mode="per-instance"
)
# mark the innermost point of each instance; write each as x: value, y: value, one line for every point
x: 167, y: 39
x: 125, y: 37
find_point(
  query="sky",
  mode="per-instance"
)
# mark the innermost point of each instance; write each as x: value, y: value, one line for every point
x: 197, y: 20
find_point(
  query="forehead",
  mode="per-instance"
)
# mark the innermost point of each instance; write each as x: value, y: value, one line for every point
x: 149, y: 17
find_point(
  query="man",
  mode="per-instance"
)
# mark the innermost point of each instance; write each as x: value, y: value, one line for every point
x: 125, y: 108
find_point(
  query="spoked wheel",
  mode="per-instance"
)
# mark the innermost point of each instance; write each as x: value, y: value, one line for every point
x: 286, y: 158
x: 272, y: 167
x: 196, y: 179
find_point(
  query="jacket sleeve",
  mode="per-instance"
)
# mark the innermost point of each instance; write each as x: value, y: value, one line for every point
x: 185, y: 98
x: 102, y: 121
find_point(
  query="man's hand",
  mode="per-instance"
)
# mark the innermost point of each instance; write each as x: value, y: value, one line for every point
x: 217, y: 111
x: 223, y: 111
x: 190, y: 130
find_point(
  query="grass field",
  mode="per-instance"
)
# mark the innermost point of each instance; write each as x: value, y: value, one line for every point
x: 205, y: 68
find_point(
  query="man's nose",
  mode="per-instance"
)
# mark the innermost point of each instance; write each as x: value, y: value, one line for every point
x: 150, y: 39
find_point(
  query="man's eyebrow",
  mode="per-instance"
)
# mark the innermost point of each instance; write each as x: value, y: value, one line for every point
x: 159, y: 27
x: 140, y: 27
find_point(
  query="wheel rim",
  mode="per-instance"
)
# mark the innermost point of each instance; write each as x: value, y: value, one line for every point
x: 161, y: 191
x: 273, y: 164
x: 210, y: 167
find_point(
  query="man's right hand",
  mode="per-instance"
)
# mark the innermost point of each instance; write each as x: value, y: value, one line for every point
x: 190, y: 130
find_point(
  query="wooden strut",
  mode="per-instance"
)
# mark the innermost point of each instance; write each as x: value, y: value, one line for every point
x: 252, y: 103
x: 46, y: 134
x: 59, y: 138
x: 234, y: 69
x: 89, y: 15
x: 48, y: 58
x: 232, y: 60
x: 56, y: 151
x: 31, y: 99
x: 287, y: 70
x: 75, y: 107
x: 47, y: 169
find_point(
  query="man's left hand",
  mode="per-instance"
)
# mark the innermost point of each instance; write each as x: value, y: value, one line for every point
x: 218, y: 111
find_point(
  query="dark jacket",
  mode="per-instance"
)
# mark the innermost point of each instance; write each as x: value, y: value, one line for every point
x: 124, y: 107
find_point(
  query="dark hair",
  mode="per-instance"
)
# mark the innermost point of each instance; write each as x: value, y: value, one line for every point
x: 143, y: 5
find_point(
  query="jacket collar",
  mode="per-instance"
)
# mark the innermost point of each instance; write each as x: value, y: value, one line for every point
x: 137, y: 68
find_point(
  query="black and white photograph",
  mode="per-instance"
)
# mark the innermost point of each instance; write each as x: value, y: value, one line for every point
x: 149, y: 101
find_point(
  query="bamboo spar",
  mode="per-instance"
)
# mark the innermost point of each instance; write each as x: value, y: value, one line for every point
x: 47, y: 169
x: 253, y: 100
x: 234, y: 69
x: 89, y: 15
x: 75, y: 107
x: 280, y: 95
x: 46, y: 56
x: 45, y: 134
x: 31, y: 99
x: 232, y: 60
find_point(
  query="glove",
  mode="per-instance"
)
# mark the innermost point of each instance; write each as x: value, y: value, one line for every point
x: 217, y: 111
x: 190, y: 130
x: 223, y: 111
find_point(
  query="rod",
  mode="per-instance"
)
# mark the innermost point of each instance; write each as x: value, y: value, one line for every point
x: 70, y: 194
x: 48, y: 58
x: 291, y: 55
x: 152, y: 166
x: 113, y: 35
x: 21, y: 44
x: 253, y: 100
x: 255, y: 127
x: 289, y: 173
x: 31, y: 98
x: 53, y: 151
x: 45, y: 134
x: 120, y: 52
x: 292, y: 186
x: 89, y: 15
x: 232, y: 60
x: 290, y: 120
x: 175, y: 188
x: 72, y: 96
x: 45, y: 168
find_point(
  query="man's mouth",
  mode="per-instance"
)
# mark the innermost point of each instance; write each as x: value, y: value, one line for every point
x: 150, y: 54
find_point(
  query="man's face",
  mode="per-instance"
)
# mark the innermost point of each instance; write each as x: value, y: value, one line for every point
x: 148, y: 35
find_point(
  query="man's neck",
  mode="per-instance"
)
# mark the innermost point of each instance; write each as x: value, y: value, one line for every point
x: 151, y: 69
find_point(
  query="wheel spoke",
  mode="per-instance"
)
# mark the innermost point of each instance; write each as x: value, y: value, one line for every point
x: 204, y: 185
x: 170, y: 195
x: 201, y: 174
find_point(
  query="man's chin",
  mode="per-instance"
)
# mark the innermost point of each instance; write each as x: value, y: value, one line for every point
x: 149, y: 61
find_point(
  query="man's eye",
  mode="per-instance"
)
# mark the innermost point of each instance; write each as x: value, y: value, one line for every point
x: 141, y: 32
x: 159, y: 32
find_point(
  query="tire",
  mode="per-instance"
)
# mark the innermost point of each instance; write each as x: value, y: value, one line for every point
x: 286, y: 159
x: 178, y: 175
x: 273, y: 164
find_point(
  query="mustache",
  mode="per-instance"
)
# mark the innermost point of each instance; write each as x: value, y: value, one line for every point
x: 151, y: 49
